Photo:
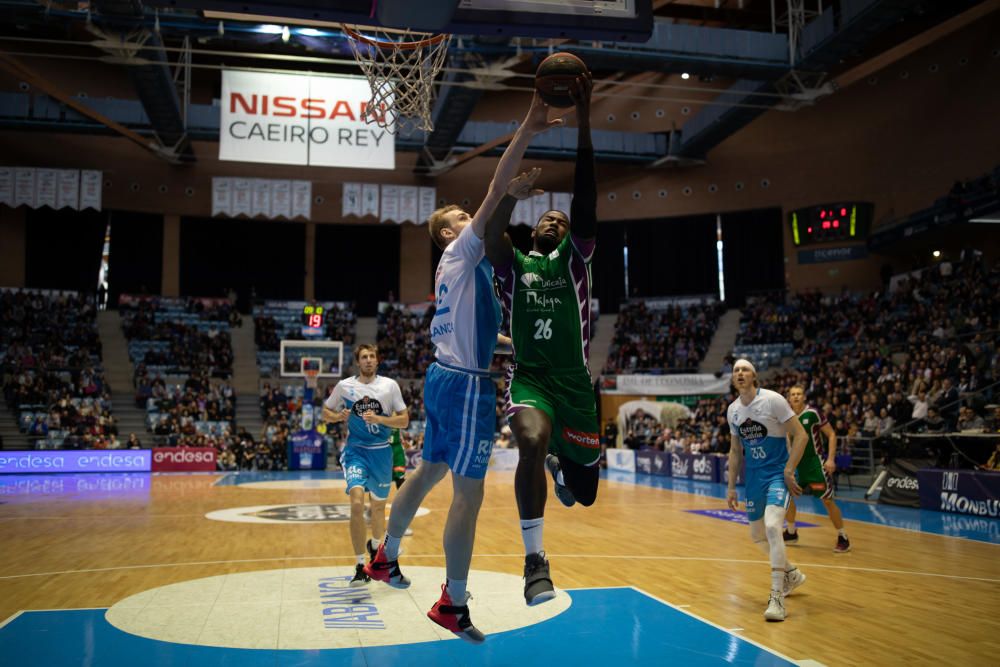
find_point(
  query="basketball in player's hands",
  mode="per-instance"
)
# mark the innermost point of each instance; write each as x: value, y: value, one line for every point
x: 556, y: 75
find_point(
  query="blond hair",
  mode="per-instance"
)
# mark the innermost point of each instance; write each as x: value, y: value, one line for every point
x: 437, y: 222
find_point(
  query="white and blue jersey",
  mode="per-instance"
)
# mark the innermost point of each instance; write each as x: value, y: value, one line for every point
x: 467, y: 316
x: 382, y: 396
x: 761, y: 428
x: 367, y: 456
x: 459, y: 395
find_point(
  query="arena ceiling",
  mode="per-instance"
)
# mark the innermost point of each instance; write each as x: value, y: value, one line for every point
x: 732, y: 59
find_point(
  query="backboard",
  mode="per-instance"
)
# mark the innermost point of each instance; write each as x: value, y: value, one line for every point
x: 604, y: 20
x: 331, y: 354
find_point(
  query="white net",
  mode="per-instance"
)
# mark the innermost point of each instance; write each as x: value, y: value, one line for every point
x: 400, y: 68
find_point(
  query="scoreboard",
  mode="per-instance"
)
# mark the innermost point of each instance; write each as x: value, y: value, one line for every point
x: 847, y: 221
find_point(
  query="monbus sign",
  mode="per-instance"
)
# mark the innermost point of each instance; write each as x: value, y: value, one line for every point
x: 300, y: 119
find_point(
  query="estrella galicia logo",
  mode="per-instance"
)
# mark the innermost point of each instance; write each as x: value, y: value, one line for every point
x: 365, y: 404
x: 752, y: 431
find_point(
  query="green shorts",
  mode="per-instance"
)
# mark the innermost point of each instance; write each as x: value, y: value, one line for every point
x: 568, y: 399
x: 398, y: 461
x: 813, y: 479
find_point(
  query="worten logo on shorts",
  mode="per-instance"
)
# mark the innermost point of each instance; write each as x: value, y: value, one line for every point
x: 363, y: 405
x: 752, y: 431
x: 582, y: 438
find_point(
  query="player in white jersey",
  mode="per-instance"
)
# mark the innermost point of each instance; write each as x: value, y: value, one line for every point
x: 372, y: 406
x: 459, y: 395
x: 760, y: 421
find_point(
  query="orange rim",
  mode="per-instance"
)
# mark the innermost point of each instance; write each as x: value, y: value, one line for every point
x: 386, y: 44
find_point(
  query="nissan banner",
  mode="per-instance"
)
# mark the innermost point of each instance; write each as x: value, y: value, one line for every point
x: 301, y: 119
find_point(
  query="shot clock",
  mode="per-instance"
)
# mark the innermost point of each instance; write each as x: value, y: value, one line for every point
x: 313, y: 317
x: 849, y: 221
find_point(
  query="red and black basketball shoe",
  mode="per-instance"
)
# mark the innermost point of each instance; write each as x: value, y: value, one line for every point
x: 455, y: 617
x: 387, y: 571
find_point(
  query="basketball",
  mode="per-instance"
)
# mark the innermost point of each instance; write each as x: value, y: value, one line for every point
x: 554, y: 77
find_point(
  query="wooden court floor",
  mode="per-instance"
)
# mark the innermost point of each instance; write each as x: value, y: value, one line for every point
x: 899, y: 597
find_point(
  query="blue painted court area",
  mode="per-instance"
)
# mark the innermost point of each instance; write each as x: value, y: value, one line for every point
x: 603, y: 626
x: 905, y: 518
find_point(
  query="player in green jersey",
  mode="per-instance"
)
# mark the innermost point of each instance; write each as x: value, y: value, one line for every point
x: 399, y: 465
x: 398, y: 458
x: 813, y: 472
x: 550, y: 397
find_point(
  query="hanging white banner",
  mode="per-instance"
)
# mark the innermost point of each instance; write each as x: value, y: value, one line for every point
x: 91, y: 183
x: 669, y: 385
x: 302, y: 199
x: 222, y: 196
x: 69, y: 189
x: 261, y: 198
x: 351, y: 200
x: 409, y: 206
x: 540, y: 205
x: 24, y: 187
x: 301, y: 119
x: 281, y: 199
x: 369, y: 199
x: 242, y: 196
x: 522, y: 213
x: 428, y: 204
x: 7, y: 186
x: 390, y: 203
x: 561, y: 201
x: 46, y: 181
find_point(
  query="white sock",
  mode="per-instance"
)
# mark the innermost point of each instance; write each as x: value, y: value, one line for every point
x: 842, y: 533
x: 377, y: 542
x: 791, y: 527
x: 777, y: 581
x: 531, y: 533
x: 361, y: 558
x: 456, y: 590
x: 391, y: 546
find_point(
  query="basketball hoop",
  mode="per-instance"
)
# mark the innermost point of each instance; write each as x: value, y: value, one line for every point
x: 401, y: 74
x: 310, y: 367
x: 312, y: 379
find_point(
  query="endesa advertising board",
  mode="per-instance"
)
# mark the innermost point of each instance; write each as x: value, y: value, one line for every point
x: 183, y: 459
x: 50, y: 461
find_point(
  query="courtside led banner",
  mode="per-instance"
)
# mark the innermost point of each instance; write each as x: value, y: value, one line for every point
x: 300, y: 119
x: 183, y: 459
x: 88, y: 460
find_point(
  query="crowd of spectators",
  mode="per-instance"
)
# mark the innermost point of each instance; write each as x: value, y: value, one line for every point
x: 193, y: 335
x: 703, y: 431
x: 671, y: 339
x: 913, y: 357
x: 404, y: 341
x: 50, y: 357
